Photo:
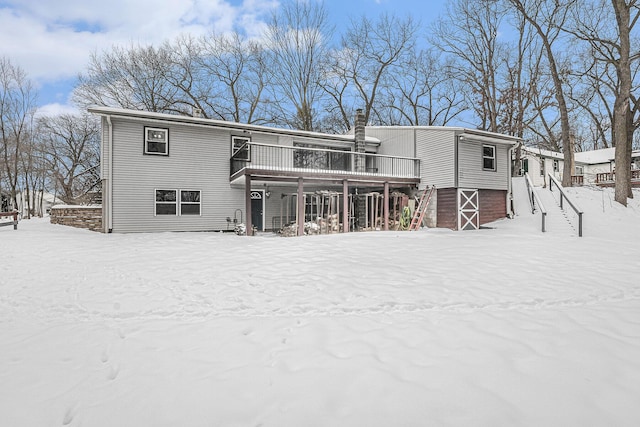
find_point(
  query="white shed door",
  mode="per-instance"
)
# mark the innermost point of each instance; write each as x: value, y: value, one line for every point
x: 468, y: 216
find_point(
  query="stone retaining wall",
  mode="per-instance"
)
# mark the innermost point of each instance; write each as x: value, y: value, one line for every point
x: 89, y: 217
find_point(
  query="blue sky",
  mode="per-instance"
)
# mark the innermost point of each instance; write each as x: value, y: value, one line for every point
x: 51, y: 40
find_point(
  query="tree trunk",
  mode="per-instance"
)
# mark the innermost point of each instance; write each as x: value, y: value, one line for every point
x: 622, y: 106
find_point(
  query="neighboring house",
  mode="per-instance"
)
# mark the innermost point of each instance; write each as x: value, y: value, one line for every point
x: 164, y: 172
x: 592, y: 167
x: 40, y: 203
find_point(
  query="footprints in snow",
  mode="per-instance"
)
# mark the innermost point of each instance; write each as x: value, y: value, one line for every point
x: 114, y: 369
x: 69, y: 415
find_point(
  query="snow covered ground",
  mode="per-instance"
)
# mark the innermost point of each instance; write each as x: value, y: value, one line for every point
x: 496, y: 327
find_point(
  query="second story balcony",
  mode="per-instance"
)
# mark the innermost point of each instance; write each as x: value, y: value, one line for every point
x: 279, y: 161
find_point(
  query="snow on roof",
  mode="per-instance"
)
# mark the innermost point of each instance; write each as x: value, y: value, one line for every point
x: 591, y: 157
x: 604, y: 155
x: 543, y: 153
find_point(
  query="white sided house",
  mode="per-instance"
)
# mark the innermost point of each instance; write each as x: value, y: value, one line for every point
x: 593, y: 167
x: 163, y: 172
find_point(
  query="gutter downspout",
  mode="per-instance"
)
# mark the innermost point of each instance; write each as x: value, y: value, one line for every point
x: 455, y: 178
x: 509, y: 200
x: 110, y: 182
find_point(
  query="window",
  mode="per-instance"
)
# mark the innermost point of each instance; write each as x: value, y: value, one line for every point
x: 309, y: 156
x: 156, y: 141
x: 542, y: 167
x: 489, y: 157
x: 166, y: 202
x: 579, y: 170
x: 371, y: 164
x: 189, y: 202
x: 240, y: 149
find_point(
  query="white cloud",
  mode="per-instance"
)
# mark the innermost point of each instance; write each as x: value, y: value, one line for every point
x: 56, y: 109
x: 52, y: 40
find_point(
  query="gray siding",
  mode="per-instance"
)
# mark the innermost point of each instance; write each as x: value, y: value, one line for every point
x: 395, y: 142
x: 471, y: 173
x: 198, y: 160
x: 436, y: 150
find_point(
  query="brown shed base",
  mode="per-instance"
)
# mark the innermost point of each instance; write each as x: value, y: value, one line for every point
x: 492, y: 206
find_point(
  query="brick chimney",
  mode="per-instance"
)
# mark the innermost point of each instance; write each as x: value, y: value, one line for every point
x: 360, y: 166
x: 359, y: 141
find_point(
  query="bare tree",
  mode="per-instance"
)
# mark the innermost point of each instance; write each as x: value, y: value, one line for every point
x: 468, y: 32
x: 72, y: 147
x: 230, y: 74
x: 361, y: 68
x: 296, y: 38
x: 421, y: 93
x: 548, y: 18
x: 17, y: 107
x: 627, y: 14
x: 611, y: 45
x: 133, y: 77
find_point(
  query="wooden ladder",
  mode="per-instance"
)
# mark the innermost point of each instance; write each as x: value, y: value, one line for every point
x: 421, y: 209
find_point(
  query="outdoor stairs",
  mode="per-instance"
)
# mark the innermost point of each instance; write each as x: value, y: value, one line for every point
x: 558, y: 220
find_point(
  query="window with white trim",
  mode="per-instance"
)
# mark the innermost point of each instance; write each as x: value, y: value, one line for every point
x: 489, y: 157
x: 579, y: 170
x: 156, y: 141
x: 189, y: 202
x: 166, y: 202
x: 240, y: 149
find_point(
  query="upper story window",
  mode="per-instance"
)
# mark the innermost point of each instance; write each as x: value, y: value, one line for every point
x: 309, y: 156
x: 240, y: 148
x: 489, y: 157
x: 156, y: 141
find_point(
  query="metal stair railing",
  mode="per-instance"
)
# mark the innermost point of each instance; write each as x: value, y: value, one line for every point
x: 535, y: 198
x: 563, y: 196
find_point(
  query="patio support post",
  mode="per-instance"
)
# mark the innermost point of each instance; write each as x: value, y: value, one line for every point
x: 345, y: 206
x: 385, y: 210
x: 247, y: 206
x: 300, y: 207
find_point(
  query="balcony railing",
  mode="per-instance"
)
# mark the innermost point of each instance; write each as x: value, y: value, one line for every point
x: 577, y: 179
x: 305, y: 160
x: 610, y: 177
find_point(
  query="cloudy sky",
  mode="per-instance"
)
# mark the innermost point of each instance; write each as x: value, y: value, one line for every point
x: 51, y: 40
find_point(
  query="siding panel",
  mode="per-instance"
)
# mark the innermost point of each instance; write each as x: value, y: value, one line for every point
x: 198, y: 160
x: 470, y: 172
x: 397, y: 142
x: 435, y: 149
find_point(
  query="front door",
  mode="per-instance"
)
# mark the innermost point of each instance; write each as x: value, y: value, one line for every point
x: 468, y: 213
x: 257, y: 209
